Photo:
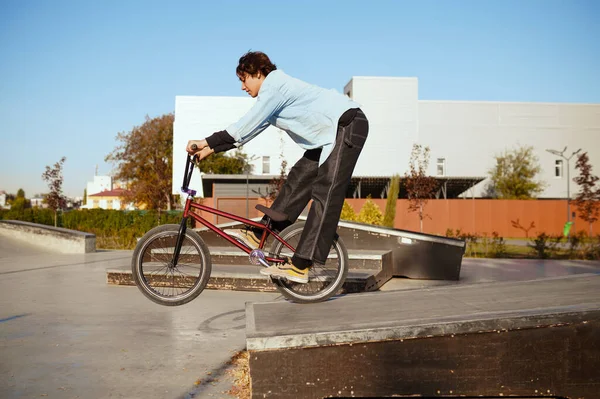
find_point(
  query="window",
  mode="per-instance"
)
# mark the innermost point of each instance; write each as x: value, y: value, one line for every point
x: 558, y: 168
x: 266, y: 165
x: 441, y: 166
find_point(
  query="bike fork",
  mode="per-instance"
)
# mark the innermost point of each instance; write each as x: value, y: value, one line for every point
x: 179, y: 242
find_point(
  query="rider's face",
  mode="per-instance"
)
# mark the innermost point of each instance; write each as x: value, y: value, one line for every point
x: 251, y: 84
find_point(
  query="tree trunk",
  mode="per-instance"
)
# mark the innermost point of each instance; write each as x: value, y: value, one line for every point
x: 55, y: 219
x: 168, y: 202
x: 421, y: 217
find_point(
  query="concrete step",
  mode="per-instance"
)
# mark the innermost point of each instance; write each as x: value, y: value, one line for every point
x: 248, y: 278
x: 359, y: 259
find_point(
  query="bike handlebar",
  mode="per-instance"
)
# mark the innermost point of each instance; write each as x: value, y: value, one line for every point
x: 187, y: 174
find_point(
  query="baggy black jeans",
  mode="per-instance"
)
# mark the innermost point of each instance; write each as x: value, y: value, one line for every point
x: 326, y: 185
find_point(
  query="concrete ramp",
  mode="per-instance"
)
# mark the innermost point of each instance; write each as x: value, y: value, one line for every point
x: 530, y: 338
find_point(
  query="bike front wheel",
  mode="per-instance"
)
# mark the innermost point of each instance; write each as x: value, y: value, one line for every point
x: 156, y: 274
x: 324, y: 281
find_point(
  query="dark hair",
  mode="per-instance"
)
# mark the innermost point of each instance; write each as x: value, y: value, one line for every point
x: 254, y: 62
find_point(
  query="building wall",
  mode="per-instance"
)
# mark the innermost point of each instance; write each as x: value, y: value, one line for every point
x: 466, y: 134
x: 469, y: 134
x: 391, y: 106
x: 199, y: 117
x: 105, y: 203
x: 99, y: 184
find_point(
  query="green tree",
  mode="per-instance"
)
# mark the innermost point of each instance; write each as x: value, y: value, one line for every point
x: 419, y: 186
x: 513, y: 176
x: 226, y: 164
x: 392, y: 199
x: 84, y: 196
x: 21, y: 193
x: 55, y: 198
x: 588, y: 198
x: 370, y: 213
x: 144, y: 160
x: 348, y: 212
x: 19, y: 205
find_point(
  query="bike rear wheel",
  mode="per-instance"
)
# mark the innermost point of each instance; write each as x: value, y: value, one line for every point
x: 158, y: 278
x: 324, y: 281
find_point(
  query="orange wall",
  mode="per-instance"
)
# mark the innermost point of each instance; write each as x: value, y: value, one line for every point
x: 485, y: 216
x: 470, y: 216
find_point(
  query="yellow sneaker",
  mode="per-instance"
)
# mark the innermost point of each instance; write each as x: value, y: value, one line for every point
x: 287, y: 271
x: 245, y: 236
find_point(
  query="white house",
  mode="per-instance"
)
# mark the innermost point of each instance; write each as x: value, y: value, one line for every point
x: 3, y: 200
x: 464, y: 136
x: 103, y: 193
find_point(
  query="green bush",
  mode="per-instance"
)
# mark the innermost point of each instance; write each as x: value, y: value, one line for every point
x: 370, y: 213
x: 498, y: 246
x: 392, y: 199
x: 348, y: 212
x: 114, y: 229
x: 544, y: 245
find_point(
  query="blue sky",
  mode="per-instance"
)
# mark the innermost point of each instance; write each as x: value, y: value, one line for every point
x: 75, y: 73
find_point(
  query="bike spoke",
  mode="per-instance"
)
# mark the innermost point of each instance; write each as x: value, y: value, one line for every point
x: 158, y: 271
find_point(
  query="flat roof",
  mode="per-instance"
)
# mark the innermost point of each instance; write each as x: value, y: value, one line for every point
x: 449, y: 187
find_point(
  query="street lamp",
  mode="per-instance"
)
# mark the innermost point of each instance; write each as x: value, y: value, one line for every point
x: 561, y: 154
x: 247, y: 169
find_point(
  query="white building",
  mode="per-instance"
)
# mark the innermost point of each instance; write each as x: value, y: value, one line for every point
x: 464, y: 136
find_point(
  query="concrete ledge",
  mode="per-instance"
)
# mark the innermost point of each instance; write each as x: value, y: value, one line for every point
x: 56, y: 239
x: 528, y: 339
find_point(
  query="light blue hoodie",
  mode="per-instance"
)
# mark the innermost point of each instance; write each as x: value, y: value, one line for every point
x: 307, y: 113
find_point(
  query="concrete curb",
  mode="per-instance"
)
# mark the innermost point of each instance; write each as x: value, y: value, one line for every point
x: 54, y: 238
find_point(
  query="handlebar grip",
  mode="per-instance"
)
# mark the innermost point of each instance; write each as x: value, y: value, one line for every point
x: 194, y: 147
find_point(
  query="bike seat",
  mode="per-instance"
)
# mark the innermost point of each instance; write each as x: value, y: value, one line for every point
x: 273, y: 214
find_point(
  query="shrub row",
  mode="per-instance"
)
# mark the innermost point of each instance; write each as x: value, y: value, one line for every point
x: 543, y: 246
x: 114, y: 229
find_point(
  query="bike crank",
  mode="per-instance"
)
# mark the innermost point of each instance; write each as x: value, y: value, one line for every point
x: 257, y: 257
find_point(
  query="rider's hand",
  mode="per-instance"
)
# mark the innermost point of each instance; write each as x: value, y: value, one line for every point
x: 201, y: 144
x: 203, y: 153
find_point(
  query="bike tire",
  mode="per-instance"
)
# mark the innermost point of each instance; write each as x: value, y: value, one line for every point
x: 325, y: 281
x: 154, y: 254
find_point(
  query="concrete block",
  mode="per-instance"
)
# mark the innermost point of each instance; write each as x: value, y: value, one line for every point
x: 53, y: 238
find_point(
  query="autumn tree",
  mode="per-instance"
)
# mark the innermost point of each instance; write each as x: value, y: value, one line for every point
x: 420, y: 187
x: 392, y: 199
x: 588, y: 198
x: 513, y: 175
x: 144, y: 160
x: 55, y: 198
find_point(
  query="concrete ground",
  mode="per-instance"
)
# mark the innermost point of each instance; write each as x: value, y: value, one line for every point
x: 65, y: 333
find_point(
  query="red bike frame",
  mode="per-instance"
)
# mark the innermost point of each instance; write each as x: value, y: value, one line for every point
x: 266, y: 229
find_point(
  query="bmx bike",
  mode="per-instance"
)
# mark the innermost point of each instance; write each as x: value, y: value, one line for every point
x: 171, y: 264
